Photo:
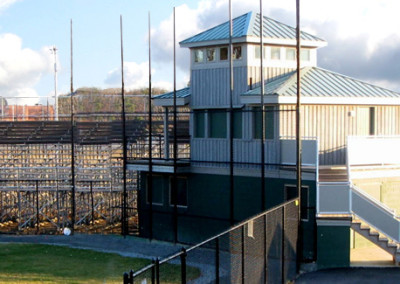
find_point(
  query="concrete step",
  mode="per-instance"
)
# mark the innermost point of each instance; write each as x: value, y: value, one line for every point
x: 379, y: 240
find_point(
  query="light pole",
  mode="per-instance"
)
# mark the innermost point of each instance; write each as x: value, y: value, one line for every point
x: 53, y: 50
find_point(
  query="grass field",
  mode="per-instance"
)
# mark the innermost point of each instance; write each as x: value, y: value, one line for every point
x: 31, y: 263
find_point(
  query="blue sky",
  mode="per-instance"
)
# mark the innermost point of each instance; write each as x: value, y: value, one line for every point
x: 363, y: 39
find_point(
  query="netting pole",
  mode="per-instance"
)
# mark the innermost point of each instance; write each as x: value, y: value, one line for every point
x: 298, y: 138
x: 231, y: 150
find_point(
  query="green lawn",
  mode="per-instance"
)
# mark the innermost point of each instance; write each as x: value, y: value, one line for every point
x: 31, y: 263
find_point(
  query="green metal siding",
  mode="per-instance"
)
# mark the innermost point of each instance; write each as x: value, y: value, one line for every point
x: 333, y: 248
x: 208, y: 210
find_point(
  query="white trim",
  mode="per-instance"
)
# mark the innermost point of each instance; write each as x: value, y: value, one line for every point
x: 333, y: 223
x: 320, y: 100
x: 249, y: 172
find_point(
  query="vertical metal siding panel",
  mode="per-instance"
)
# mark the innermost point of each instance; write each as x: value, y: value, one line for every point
x: 321, y: 121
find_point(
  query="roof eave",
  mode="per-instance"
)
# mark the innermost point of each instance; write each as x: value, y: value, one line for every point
x: 256, y: 99
x: 256, y: 40
x: 212, y: 42
x: 290, y: 42
x: 170, y: 101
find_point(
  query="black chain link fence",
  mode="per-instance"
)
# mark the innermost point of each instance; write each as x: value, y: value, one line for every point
x: 262, y: 249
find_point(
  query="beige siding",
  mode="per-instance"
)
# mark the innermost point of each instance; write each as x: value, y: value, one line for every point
x: 333, y: 123
x: 269, y: 72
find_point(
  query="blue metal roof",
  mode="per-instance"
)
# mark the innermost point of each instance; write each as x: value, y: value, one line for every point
x: 249, y: 25
x: 180, y: 94
x: 317, y: 82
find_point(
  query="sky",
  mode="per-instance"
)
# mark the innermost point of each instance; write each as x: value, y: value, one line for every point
x: 363, y: 40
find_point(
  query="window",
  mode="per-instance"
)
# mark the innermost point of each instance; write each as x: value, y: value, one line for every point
x: 257, y: 52
x: 237, y: 124
x: 181, y: 195
x: 211, y: 54
x: 158, y: 190
x: 199, y: 123
x: 217, y: 123
x: 275, y: 53
x: 305, y: 54
x: 237, y: 52
x: 291, y: 193
x: 223, y: 53
x: 198, y: 55
x: 269, y: 122
x: 290, y: 54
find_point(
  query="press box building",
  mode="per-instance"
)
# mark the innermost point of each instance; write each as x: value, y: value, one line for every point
x: 344, y: 121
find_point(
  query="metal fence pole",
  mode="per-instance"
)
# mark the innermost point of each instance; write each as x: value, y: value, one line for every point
x: 37, y: 207
x: 157, y: 272
x: 217, y: 260
x: 128, y: 278
x: 183, y: 266
x: 243, y: 258
x: 265, y: 249
x: 283, y: 246
x: 91, y: 200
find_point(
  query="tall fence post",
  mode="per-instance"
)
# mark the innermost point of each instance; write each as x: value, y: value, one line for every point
x: 183, y: 266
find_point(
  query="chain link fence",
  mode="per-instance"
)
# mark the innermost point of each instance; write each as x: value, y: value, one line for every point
x: 262, y: 249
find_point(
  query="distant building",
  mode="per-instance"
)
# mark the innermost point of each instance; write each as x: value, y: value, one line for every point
x: 27, y: 113
x: 335, y: 108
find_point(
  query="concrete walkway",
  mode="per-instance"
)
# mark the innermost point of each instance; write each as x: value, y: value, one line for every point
x: 365, y: 275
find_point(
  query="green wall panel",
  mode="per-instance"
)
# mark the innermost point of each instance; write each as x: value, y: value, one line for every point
x: 333, y: 246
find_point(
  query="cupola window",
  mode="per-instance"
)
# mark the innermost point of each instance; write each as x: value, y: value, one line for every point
x: 290, y: 54
x: 275, y: 53
x: 211, y: 54
x: 223, y: 53
x: 305, y: 54
x: 198, y: 55
x: 237, y: 52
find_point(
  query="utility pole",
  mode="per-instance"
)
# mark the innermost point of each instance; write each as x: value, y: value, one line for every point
x: 53, y: 50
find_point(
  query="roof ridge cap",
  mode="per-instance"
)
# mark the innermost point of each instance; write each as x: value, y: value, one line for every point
x: 292, y: 79
x: 249, y: 22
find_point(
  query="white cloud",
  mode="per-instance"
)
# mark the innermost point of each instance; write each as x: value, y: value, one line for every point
x: 136, y: 75
x: 341, y: 23
x: 24, y: 96
x: 21, y: 68
x: 4, y: 4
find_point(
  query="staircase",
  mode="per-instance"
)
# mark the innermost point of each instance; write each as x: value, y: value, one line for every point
x: 378, y: 239
x: 380, y: 224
